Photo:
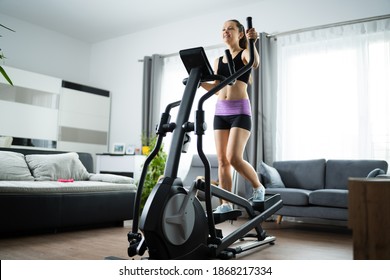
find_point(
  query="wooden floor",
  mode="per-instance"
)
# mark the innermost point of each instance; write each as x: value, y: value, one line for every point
x: 294, y: 241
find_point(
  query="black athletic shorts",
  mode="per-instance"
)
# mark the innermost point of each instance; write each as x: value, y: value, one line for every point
x: 227, y: 122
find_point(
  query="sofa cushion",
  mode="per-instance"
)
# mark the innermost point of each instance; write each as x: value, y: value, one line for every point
x: 111, y: 178
x: 13, y: 167
x: 329, y: 198
x: 52, y: 167
x: 339, y: 171
x: 50, y: 187
x: 269, y: 176
x: 290, y: 196
x: 302, y: 174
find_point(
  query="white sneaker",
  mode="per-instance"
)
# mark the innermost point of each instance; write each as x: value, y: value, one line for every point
x: 258, y: 194
x: 223, y: 208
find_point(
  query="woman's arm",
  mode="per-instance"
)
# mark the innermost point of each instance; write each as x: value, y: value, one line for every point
x: 252, y: 34
x: 209, y: 85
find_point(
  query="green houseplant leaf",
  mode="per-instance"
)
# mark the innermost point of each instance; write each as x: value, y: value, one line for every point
x: 2, y: 71
x: 2, y: 57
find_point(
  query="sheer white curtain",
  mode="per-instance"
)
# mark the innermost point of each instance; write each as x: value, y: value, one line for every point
x: 172, y: 90
x: 333, y: 93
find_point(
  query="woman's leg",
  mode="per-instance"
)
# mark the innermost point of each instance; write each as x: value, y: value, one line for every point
x: 238, y: 139
x: 221, y: 137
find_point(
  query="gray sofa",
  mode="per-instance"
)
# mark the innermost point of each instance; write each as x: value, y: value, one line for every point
x: 313, y: 188
x: 46, y: 190
x: 197, y: 170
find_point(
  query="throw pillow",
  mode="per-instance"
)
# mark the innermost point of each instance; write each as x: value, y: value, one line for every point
x: 270, y: 176
x: 52, y: 167
x: 374, y: 173
x: 13, y: 167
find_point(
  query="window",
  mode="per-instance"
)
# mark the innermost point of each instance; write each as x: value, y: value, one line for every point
x: 333, y: 93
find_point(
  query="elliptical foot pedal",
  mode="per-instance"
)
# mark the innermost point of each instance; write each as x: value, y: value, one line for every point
x: 258, y: 205
x: 231, y: 215
x: 269, y: 201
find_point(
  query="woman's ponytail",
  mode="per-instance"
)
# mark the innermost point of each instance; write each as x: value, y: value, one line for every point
x: 243, y: 43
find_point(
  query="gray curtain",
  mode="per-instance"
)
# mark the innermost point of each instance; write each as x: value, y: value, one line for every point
x: 267, y: 81
x: 262, y: 93
x: 151, y: 94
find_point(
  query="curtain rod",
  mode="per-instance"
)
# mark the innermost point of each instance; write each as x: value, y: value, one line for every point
x: 328, y: 25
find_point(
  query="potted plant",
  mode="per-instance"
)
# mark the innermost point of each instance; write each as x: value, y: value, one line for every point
x: 155, y: 170
x: 2, y: 57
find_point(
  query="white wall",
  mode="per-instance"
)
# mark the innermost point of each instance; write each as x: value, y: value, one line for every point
x: 113, y: 64
x: 40, y: 50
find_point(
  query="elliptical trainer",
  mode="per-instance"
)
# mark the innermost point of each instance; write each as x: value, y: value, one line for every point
x: 173, y: 223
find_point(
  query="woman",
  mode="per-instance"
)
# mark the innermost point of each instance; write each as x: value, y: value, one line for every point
x: 232, y: 120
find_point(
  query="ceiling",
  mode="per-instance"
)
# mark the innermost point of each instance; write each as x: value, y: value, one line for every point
x: 98, y: 20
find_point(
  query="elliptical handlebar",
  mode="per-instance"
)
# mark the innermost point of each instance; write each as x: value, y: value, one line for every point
x: 163, y: 127
x: 231, y: 65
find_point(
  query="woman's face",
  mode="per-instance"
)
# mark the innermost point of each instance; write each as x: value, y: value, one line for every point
x: 230, y: 33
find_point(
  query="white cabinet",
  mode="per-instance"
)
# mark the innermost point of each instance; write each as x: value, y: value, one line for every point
x: 83, y: 118
x: 29, y: 109
x: 46, y: 112
x: 127, y: 165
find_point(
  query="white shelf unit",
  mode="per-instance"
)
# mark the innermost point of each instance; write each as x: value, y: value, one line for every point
x: 125, y: 165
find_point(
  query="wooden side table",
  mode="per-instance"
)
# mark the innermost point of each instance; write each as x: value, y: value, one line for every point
x: 369, y: 218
